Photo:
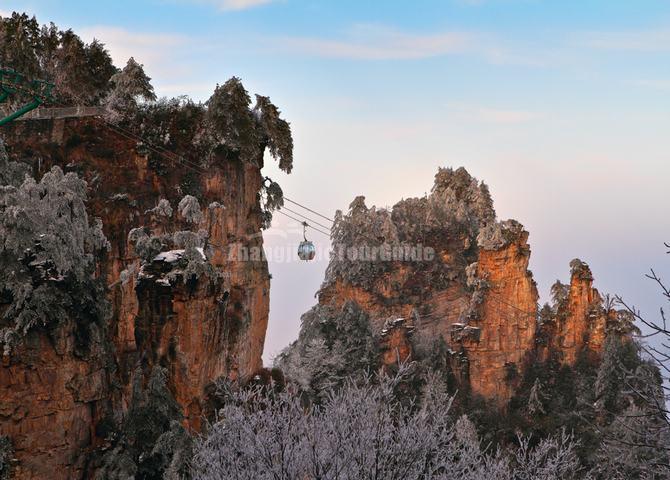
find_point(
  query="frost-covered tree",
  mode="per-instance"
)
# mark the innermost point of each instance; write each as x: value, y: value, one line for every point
x: 364, y: 431
x: 11, y: 173
x: 458, y: 198
x: 129, y: 86
x: 189, y: 209
x: 272, y: 198
x: 536, y: 399
x: 150, y: 443
x: 357, y: 232
x: 147, y: 246
x: 658, y: 350
x: 552, y: 458
x: 244, y: 132
x: 333, y: 345
x: 609, y: 381
x: 580, y: 269
x: 80, y: 72
x: 48, y: 250
x: 183, y: 251
x: 162, y: 209
x: 6, y: 455
x: 234, y: 125
x: 559, y: 295
x: 20, y: 43
x: 635, y: 445
x: 277, y: 132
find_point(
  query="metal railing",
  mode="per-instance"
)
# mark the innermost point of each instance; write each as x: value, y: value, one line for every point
x: 60, y: 112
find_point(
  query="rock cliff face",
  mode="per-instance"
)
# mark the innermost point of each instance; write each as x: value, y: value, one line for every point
x: 581, y: 319
x: 442, y: 266
x: 52, y: 400
x: 505, y: 319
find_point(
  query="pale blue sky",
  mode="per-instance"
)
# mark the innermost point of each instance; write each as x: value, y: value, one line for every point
x: 562, y: 107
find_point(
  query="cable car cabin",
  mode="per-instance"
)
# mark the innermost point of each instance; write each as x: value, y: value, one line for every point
x: 306, y: 250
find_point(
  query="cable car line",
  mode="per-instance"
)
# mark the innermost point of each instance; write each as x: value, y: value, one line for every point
x: 303, y: 222
x: 306, y: 249
x: 308, y: 209
x: 520, y: 310
x: 310, y: 221
x: 197, y: 168
x: 164, y: 153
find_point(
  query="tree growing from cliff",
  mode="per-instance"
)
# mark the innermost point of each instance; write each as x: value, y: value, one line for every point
x: 272, y: 198
x: 234, y: 125
x: 189, y: 209
x: 80, y: 72
x: 244, y: 132
x: 151, y: 443
x: 6, y: 455
x: 333, y: 345
x: 129, y: 86
x: 276, y: 132
x: 48, y: 250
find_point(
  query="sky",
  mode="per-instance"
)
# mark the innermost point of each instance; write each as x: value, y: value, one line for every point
x: 561, y: 107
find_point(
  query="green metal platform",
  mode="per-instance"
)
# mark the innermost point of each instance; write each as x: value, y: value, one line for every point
x: 14, y: 83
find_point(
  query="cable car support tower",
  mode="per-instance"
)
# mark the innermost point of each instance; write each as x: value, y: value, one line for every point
x: 13, y: 83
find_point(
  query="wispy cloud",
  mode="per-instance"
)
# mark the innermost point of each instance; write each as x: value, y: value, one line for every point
x: 230, y: 5
x: 241, y: 4
x: 379, y: 43
x: 5, y: 13
x: 155, y: 50
x: 656, y: 40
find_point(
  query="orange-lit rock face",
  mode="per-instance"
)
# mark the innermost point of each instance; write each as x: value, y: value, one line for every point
x: 51, y: 401
x: 396, y: 347
x: 580, y: 323
x: 506, y: 318
x: 476, y: 293
x: 48, y: 400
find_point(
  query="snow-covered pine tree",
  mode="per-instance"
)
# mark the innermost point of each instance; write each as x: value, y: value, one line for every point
x: 129, y: 86
x: 609, y: 381
x: 233, y: 123
x: 277, y: 132
x: 536, y: 399
x: 48, y: 249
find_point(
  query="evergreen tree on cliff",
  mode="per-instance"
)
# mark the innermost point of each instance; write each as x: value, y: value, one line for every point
x: 48, y: 251
x: 129, y: 86
x: 80, y: 72
x: 228, y: 110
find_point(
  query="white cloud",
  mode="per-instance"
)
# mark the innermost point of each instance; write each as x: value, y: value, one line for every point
x: 369, y: 42
x: 5, y: 13
x: 377, y: 42
x: 241, y: 4
x: 230, y: 5
x: 641, y: 41
x: 155, y: 50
